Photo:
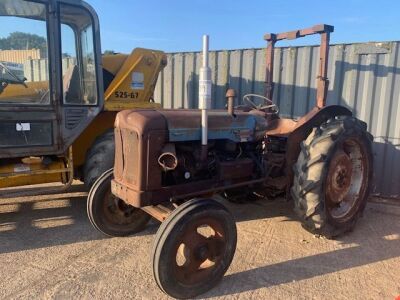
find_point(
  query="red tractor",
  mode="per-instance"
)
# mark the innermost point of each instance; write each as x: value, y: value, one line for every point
x: 170, y: 163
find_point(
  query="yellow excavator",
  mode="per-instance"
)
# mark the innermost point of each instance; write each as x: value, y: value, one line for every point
x: 57, y: 110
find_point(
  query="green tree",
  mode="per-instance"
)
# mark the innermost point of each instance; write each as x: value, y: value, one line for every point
x: 109, y: 52
x: 23, y: 41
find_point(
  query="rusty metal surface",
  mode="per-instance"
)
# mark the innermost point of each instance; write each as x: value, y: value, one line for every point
x: 117, y: 211
x: 186, y: 125
x: 339, y: 177
x: 281, y: 127
x: 237, y: 169
x: 200, y: 250
x: 348, y: 178
x: 322, y: 79
x: 230, y: 98
x: 159, y: 212
x: 140, y: 138
x: 290, y: 35
x: 137, y: 162
x: 168, y: 160
x: 141, y: 198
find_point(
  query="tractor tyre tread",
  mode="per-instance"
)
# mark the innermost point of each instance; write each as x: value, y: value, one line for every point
x: 310, y: 171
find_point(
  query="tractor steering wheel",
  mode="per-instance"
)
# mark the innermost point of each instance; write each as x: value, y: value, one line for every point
x: 268, y: 104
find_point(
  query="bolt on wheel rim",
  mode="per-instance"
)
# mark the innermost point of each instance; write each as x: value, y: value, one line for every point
x: 199, y: 251
x: 347, y: 177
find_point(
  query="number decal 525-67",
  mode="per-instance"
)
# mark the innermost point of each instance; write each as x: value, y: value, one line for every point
x: 125, y: 95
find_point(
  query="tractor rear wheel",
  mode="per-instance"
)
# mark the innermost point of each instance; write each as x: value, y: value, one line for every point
x: 333, y: 176
x: 111, y: 215
x: 99, y: 158
x: 194, y: 247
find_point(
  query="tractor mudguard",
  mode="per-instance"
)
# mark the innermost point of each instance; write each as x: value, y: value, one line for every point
x: 303, y: 128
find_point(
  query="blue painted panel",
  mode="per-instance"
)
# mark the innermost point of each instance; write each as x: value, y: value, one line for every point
x: 237, y: 132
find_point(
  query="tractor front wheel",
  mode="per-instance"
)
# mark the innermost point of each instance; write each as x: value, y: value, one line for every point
x: 333, y: 176
x: 111, y: 215
x: 194, y: 247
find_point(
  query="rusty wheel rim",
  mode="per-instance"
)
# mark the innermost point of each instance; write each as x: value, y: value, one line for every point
x: 346, y: 181
x: 117, y: 211
x: 199, y: 251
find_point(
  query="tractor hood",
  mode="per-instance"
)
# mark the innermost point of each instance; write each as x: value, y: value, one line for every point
x: 185, y: 125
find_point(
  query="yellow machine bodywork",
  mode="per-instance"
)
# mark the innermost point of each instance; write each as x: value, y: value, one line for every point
x: 20, y: 93
x: 20, y: 173
x: 135, y: 79
x: 131, y: 82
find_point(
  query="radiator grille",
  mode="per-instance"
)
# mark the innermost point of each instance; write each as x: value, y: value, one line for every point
x: 119, y: 159
x: 130, y: 146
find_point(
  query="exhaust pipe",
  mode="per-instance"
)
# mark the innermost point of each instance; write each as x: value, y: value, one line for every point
x: 204, y: 97
x: 168, y: 160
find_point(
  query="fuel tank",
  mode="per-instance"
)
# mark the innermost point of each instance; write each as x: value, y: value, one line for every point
x: 185, y: 125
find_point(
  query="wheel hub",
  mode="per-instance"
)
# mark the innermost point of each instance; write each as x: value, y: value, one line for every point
x: 201, y: 253
x: 346, y: 179
x: 339, y: 177
x: 202, y: 249
x: 117, y: 210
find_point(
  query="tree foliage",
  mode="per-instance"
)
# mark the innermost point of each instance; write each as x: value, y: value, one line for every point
x: 23, y: 41
x: 109, y: 52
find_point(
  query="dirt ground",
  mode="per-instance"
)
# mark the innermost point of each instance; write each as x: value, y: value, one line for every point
x: 48, y: 249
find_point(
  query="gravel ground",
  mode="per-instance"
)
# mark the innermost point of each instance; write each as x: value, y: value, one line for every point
x: 48, y: 249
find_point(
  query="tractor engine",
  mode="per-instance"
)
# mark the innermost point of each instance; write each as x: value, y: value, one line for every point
x: 159, y: 156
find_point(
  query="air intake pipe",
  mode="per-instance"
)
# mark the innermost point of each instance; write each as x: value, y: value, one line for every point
x: 168, y: 159
x: 204, y: 97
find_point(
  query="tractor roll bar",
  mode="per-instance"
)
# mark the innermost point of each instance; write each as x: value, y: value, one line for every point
x: 323, y: 82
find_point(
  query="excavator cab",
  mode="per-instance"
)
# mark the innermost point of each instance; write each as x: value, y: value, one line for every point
x: 51, y: 81
x: 59, y: 96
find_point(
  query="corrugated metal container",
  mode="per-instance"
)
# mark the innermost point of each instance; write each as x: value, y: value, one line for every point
x: 19, y: 56
x: 364, y: 77
x: 38, y: 69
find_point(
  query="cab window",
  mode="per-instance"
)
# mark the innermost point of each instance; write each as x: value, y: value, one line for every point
x: 78, y: 56
x: 24, y: 65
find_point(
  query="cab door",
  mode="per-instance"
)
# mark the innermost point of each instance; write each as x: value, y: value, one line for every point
x: 28, y: 119
x: 80, y: 69
x: 49, y: 75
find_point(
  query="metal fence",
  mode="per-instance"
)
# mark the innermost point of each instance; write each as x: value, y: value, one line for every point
x: 363, y: 77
